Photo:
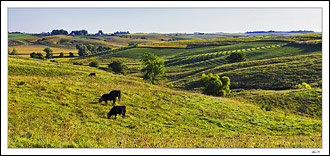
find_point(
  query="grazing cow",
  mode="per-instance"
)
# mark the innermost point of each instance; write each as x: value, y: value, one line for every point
x: 108, y: 97
x: 92, y: 74
x: 116, y: 93
x: 117, y: 110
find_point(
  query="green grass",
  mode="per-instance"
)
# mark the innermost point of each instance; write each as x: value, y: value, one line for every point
x: 275, y: 73
x: 58, y: 107
x: 299, y: 101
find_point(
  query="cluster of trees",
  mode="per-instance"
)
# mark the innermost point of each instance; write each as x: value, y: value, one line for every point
x: 214, y: 85
x: 59, y: 32
x: 154, y: 68
x: 37, y: 55
x: 121, y: 32
x: 79, y: 32
x: 49, y: 54
x: 84, y: 50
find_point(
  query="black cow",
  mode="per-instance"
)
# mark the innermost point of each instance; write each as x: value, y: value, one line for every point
x: 116, y: 93
x: 92, y: 74
x: 108, y: 97
x: 117, y: 110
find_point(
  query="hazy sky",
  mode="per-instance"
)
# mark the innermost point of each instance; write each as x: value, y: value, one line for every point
x: 163, y: 20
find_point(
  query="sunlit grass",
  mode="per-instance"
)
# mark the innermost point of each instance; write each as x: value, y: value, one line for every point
x: 59, y: 108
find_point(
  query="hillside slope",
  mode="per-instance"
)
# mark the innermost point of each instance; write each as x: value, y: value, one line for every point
x: 275, y: 73
x: 56, y: 105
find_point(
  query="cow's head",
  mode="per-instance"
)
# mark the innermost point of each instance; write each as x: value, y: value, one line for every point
x: 100, y: 100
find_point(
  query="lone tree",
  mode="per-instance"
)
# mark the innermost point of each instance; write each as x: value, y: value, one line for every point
x: 118, y: 67
x: 49, y: 52
x: 236, y: 57
x: 61, y: 54
x: 71, y: 54
x: 213, y: 85
x: 13, y: 52
x: 154, y: 69
x: 94, y: 64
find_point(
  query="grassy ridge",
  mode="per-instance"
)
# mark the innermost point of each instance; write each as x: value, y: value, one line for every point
x: 64, y: 41
x: 55, y: 110
x: 275, y: 73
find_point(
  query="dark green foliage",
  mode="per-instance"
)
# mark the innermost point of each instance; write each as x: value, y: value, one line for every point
x: 59, y: 32
x: 77, y: 63
x: 49, y: 52
x: 154, y: 69
x: 79, y: 32
x: 71, y: 54
x: 118, y: 67
x: 37, y: 55
x: 236, y: 57
x: 213, y: 85
x: 82, y: 49
x: 94, y: 64
x: 102, y: 48
x: 91, y: 48
x: 61, y: 54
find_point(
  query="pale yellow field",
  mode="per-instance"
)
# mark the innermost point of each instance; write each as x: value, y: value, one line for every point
x: 25, y: 51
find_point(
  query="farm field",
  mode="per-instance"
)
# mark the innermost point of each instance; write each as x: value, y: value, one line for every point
x: 54, y: 103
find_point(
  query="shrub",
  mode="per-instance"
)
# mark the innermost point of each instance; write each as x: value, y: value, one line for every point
x: 13, y: 52
x: 61, y: 54
x: 303, y: 86
x: 77, y: 63
x: 94, y: 64
x: 118, y: 67
x: 236, y: 57
x: 71, y: 54
x: 213, y: 85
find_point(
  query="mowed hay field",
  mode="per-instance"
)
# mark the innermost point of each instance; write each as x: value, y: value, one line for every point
x: 56, y: 105
x: 26, y: 50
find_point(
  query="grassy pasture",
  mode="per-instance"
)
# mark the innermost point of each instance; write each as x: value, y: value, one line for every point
x: 26, y: 50
x: 275, y: 73
x: 58, y: 107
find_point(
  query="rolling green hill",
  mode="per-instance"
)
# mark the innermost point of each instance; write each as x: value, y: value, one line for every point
x: 275, y: 73
x: 56, y: 105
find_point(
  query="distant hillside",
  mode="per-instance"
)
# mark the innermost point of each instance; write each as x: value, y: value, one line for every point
x: 63, y: 41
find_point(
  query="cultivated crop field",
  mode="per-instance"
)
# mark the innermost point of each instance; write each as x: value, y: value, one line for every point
x: 54, y: 103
